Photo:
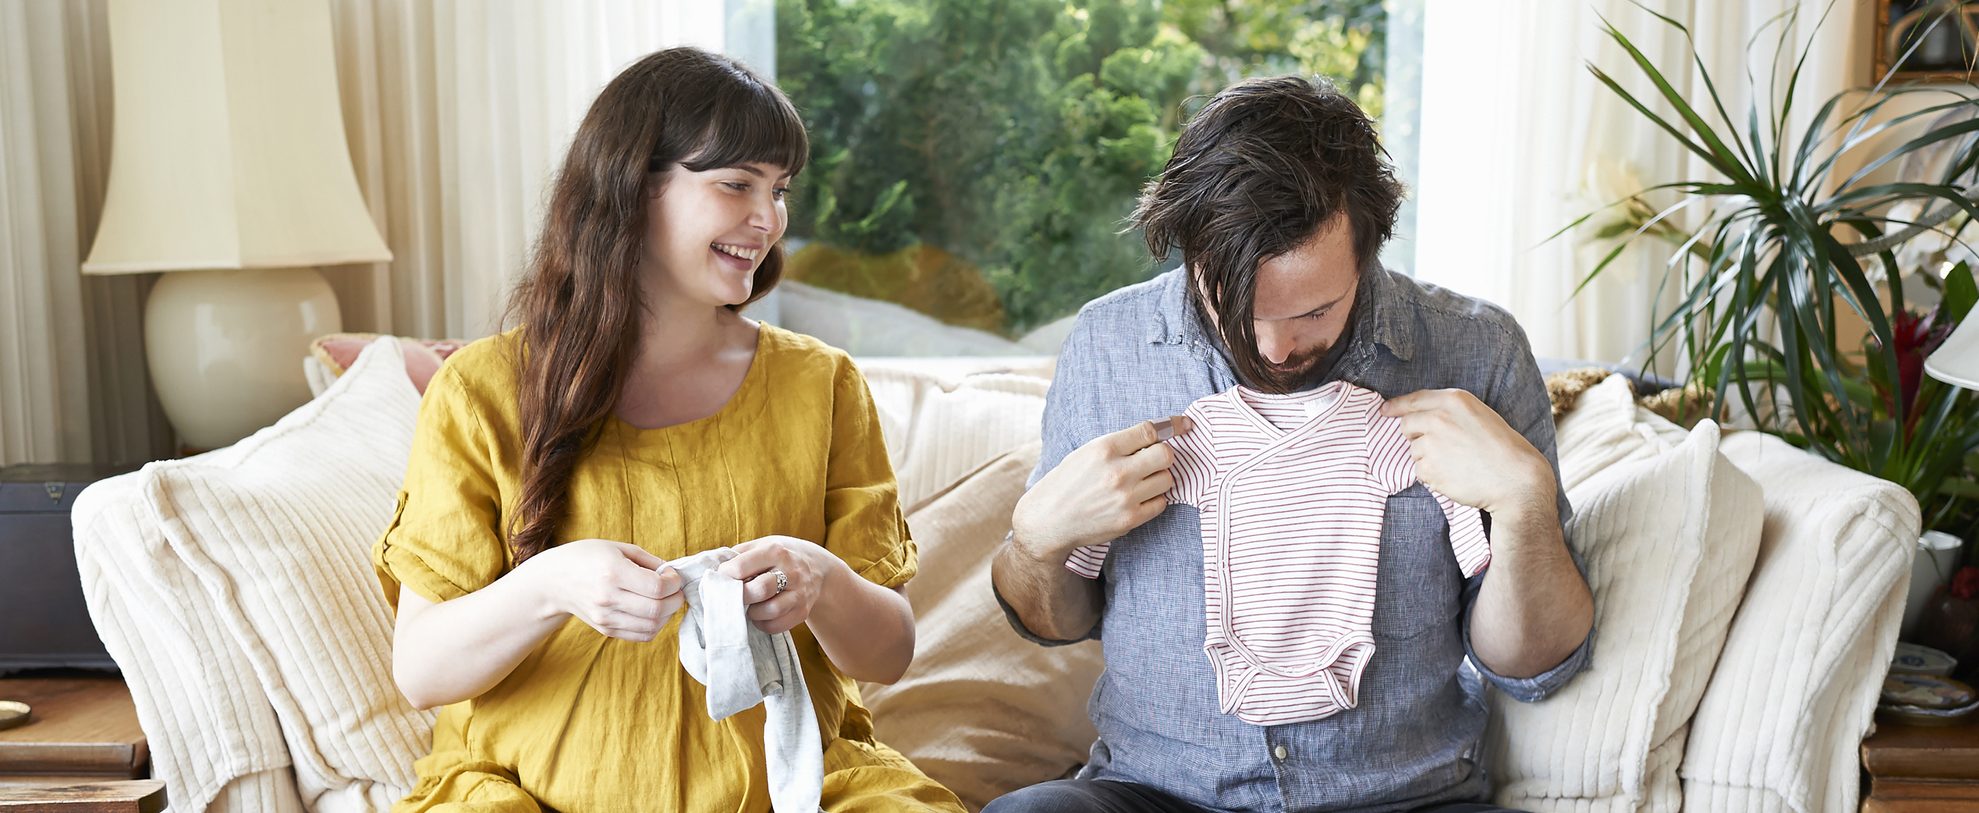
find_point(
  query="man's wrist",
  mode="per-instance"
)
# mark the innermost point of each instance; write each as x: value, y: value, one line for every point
x: 1040, y: 547
x: 1036, y: 543
x: 1035, y: 547
x: 1536, y: 505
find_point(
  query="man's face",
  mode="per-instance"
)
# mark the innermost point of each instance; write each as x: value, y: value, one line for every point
x: 1302, y: 304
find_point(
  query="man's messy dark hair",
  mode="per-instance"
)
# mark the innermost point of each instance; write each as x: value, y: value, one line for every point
x: 1256, y: 173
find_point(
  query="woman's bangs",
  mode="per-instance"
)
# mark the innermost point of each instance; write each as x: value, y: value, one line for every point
x: 751, y: 124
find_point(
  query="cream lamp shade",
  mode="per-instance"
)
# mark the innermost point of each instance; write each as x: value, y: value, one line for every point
x: 228, y: 166
x: 1957, y: 360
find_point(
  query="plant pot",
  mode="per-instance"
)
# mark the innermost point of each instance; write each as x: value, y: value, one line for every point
x: 1937, y: 558
x: 1951, y: 625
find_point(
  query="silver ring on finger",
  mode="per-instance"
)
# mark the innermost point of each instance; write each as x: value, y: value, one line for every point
x: 782, y: 581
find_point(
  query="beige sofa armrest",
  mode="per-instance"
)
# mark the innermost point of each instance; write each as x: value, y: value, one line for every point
x: 1795, y: 690
x: 213, y: 737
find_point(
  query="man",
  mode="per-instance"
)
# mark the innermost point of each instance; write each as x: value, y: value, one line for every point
x: 1279, y: 198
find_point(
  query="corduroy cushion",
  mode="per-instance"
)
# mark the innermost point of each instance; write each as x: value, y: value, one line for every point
x: 1668, y: 534
x: 1794, y: 689
x: 277, y: 530
x: 213, y: 738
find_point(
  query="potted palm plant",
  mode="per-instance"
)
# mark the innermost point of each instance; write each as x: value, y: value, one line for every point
x: 1772, y: 251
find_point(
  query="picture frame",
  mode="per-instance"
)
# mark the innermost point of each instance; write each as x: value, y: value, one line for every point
x: 1949, y: 52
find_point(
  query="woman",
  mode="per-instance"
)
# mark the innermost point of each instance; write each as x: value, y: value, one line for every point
x: 633, y: 417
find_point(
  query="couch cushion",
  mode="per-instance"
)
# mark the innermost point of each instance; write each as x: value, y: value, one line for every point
x: 945, y: 418
x: 1668, y: 534
x: 277, y: 530
x: 982, y: 710
x: 1607, y: 427
x: 1795, y: 690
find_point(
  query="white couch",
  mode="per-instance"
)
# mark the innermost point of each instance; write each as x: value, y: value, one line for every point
x: 1737, y: 666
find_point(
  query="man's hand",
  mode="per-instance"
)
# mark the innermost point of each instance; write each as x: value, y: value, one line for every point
x: 1534, y: 608
x: 1096, y: 494
x: 1466, y: 451
x: 1100, y: 491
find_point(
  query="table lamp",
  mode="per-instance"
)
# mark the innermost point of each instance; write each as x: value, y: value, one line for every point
x: 1956, y: 362
x: 229, y: 172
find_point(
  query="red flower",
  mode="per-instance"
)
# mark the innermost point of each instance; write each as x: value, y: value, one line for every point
x: 1917, y: 335
x: 1965, y: 585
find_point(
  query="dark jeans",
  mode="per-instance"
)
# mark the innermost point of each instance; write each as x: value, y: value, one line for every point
x: 1107, y: 796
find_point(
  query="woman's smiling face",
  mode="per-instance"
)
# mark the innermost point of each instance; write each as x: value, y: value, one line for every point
x: 708, y: 231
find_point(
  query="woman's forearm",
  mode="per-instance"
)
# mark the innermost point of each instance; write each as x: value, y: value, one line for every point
x: 866, y: 630
x: 456, y: 650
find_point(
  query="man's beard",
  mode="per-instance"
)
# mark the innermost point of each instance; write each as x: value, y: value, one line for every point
x: 1302, y: 371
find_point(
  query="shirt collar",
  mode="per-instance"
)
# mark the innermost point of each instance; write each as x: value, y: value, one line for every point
x: 1381, y: 315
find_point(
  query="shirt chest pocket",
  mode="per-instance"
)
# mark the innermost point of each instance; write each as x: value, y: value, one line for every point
x: 1419, y: 585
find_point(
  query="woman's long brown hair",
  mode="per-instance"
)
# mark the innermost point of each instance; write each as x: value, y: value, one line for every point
x: 579, y: 304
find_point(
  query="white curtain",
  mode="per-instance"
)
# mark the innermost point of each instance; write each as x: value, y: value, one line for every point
x: 72, y: 380
x: 457, y: 113
x: 1519, y: 139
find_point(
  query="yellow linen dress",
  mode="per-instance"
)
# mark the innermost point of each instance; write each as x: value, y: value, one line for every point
x: 590, y: 723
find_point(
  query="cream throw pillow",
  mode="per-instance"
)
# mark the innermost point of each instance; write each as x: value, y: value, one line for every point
x: 944, y: 418
x: 277, y: 531
x: 1606, y: 427
x: 1668, y: 537
x: 981, y: 711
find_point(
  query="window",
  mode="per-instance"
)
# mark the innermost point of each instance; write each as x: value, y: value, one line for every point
x: 974, y: 160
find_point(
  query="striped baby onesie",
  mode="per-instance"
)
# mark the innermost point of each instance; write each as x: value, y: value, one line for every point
x: 1292, y: 490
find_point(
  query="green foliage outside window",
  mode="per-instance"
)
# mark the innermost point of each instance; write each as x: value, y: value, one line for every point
x: 976, y: 159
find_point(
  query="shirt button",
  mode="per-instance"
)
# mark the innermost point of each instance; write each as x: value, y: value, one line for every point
x: 1279, y: 752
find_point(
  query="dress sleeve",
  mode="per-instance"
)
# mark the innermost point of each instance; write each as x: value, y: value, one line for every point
x: 445, y: 539
x: 1194, y: 463
x: 863, y: 522
x: 1467, y: 539
x: 1088, y: 560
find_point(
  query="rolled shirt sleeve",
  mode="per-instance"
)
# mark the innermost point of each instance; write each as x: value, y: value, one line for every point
x: 1519, y: 395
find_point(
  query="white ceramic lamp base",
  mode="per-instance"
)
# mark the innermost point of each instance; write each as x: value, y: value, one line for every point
x: 225, y: 348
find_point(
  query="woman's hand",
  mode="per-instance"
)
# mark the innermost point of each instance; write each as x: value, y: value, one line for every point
x: 807, y: 571
x: 619, y: 589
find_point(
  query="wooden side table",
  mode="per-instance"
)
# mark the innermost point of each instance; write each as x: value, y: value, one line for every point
x: 1922, y: 769
x: 115, y: 796
x: 84, y: 729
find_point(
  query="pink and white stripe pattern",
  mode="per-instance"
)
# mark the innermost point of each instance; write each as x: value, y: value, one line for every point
x: 1293, y: 490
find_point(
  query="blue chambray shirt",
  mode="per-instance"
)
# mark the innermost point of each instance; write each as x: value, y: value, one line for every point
x: 1141, y: 353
